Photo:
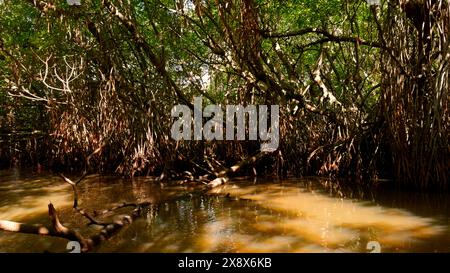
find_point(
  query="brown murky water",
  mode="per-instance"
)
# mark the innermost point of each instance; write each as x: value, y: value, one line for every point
x: 243, y: 216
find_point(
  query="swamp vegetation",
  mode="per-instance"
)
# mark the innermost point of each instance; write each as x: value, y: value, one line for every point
x: 362, y: 88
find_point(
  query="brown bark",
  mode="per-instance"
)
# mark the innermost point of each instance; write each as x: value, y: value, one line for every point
x: 223, y: 176
x: 57, y: 229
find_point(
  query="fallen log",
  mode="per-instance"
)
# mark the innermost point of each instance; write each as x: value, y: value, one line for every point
x: 223, y: 176
x: 56, y: 229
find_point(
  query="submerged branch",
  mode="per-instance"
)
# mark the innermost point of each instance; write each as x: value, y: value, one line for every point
x: 223, y: 176
x: 56, y: 229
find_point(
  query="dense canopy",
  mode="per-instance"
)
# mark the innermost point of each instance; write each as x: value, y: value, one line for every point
x: 362, y: 89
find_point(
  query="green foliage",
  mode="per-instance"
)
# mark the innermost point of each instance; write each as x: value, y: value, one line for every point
x: 126, y: 63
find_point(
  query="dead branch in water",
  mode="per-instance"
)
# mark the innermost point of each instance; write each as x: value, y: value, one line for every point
x: 223, y: 176
x: 57, y: 229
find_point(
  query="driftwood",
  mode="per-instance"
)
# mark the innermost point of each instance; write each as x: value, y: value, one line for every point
x: 57, y: 229
x: 223, y: 176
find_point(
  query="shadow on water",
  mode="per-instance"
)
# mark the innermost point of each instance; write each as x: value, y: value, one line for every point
x: 270, y: 216
x: 295, y: 216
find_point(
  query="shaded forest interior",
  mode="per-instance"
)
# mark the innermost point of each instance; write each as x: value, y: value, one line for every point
x: 362, y: 89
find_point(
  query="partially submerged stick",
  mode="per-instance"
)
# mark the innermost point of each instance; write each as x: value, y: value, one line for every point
x: 223, y: 176
x: 57, y: 229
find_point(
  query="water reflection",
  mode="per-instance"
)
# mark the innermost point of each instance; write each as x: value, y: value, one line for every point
x: 283, y: 216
